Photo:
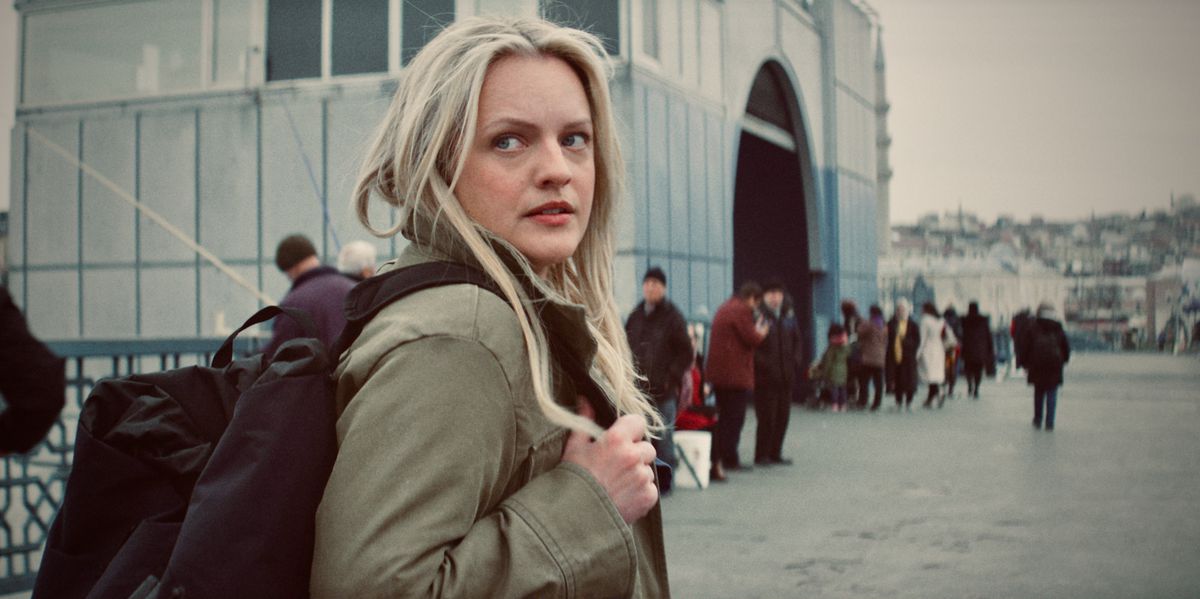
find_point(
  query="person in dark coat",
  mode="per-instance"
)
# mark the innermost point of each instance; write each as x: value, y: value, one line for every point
x: 662, y: 352
x: 775, y: 364
x: 316, y: 289
x: 903, y: 340
x: 978, y: 351
x: 1044, y: 350
x: 1017, y: 329
x: 32, y: 382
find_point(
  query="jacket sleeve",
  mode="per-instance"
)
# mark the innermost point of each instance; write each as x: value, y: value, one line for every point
x: 32, y: 381
x: 420, y: 504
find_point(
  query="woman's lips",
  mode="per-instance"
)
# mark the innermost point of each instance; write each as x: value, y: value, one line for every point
x: 552, y: 214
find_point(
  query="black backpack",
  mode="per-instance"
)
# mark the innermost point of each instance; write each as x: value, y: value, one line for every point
x: 203, y: 482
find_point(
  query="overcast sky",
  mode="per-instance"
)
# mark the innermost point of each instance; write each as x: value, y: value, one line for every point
x: 1051, y: 107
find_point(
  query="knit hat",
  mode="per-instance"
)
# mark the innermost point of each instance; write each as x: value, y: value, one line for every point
x: 655, y: 272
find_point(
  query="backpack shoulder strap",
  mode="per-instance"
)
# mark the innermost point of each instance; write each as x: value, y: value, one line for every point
x: 367, y: 298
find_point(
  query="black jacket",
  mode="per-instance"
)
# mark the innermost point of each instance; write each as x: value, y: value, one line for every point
x: 778, y: 356
x: 662, y: 349
x: 32, y: 382
x: 977, y: 346
x: 1042, y: 370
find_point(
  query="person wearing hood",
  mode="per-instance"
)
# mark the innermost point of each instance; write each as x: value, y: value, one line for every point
x: 1044, y: 350
x: 902, y: 342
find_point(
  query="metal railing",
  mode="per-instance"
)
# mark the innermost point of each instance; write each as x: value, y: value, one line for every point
x: 32, y: 485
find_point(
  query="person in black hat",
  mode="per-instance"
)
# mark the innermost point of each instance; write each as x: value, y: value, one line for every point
x: 662, y: 353
x: 776, y: 361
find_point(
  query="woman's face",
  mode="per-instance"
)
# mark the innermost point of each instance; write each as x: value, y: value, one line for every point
x: 529, y: 175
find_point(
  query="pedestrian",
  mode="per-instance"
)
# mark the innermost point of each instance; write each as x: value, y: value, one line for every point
x: 662, y: 352
x: 931, y: 353
x: 850, y: 320
x: 872, y: 346
x: 1045, y: 350
x: 954, y: 326
x: 357, y: 260
x: 730, y: 369
x: 1017, y: 329
x: 832, y: 370
x: 495, y: 445
x: 903, y: 339
x: 32, y: 382
x: 775, y: 363
x: 978, y: 351
x: 317, y: 289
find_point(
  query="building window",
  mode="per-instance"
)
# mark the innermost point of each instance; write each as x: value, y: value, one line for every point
x: 360, y: 33
x: 107, y: 51
x: 598, y: 17
x: 293, y: 39
x: 422, y: 21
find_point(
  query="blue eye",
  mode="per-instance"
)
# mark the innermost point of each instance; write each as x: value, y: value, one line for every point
x: 575, y: 140
x: 506, y: 142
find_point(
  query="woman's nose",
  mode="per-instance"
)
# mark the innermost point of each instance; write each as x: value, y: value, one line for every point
x: 554, y: 169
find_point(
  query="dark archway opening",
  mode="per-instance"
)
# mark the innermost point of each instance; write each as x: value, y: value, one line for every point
x: 770, y: 211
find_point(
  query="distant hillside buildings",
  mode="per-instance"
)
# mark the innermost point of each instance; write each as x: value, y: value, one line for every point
x: 1118, y: 280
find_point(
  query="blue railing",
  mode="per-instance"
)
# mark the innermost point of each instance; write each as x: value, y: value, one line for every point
x: 32, y: 484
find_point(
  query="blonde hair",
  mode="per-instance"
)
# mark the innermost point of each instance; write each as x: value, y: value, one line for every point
x: 417, y: 158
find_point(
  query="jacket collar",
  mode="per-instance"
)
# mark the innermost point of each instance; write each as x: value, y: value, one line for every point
x: 312, y: 274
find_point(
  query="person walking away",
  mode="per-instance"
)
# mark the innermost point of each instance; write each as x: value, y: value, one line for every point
x: 931, y: 353
x: 494, y: 443
x: 978, y: 350
x: 775, y: 364
x: 32, y: 382
x: 1045, y: 350
x: 317, y: 289
x: 662, y: 351
x: 953, y: 349
x: 901, y: 369
x: 730, y: 368
x: 872, y: 346
x: 833, y: 369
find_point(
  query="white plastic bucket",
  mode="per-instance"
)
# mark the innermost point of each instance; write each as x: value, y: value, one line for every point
x: 695, y: 446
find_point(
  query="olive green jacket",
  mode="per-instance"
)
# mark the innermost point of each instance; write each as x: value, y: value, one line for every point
x: 449, y: 480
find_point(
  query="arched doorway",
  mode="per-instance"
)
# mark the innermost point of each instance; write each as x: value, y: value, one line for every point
x: 773, y: 195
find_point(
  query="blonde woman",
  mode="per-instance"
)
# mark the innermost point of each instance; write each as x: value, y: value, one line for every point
x: 468, y: 463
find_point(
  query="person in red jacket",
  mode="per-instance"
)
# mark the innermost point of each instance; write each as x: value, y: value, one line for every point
x: 730, y: 369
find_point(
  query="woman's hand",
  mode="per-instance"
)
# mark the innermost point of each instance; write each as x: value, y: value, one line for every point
x: 620, y: 460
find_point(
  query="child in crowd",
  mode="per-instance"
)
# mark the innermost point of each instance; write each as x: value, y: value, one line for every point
x: 832, y: 368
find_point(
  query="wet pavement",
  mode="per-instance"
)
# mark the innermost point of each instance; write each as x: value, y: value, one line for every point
x: 967, y: 501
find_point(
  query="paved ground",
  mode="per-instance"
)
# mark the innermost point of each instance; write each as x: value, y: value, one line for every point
x: 966, y: 501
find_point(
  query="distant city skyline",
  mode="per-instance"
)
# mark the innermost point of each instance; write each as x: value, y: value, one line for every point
x: 1055, y: 108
